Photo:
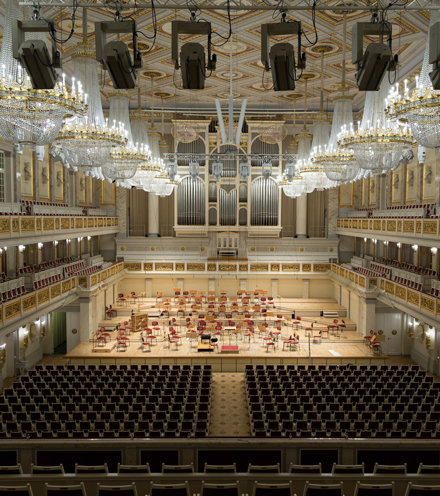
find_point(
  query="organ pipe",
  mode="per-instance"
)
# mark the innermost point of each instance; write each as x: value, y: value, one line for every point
x: 191, y: 202
x: 264, y: 202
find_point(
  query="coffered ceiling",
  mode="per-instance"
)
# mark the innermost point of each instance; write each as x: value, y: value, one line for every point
x: 249, y: 81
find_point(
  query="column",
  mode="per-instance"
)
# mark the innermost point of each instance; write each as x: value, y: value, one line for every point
x: 415, y: 255
x: 211, y: 284
x: 153, y: 216
x: 86, y: 319
x: 367, y: 317
x: 16, y: 170
x: 434, y: 258
x: 301, y: 217
x: 149, y: 288
x: 180, y: 285
x: 52, y: 179
x: 274, y: 288
x: 306, y: 285
x: 332, y: 212
x: 243, y: 284
x: 36, y: 176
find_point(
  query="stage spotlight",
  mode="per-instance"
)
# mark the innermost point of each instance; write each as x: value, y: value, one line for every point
x: 33, y: 55
x: 115, y: 56
x: 192, y: 56
x: 281, y: 55
x: 378, y: 58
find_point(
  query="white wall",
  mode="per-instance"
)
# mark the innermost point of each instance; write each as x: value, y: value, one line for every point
x: 72, y: 322
x: 320, y: 288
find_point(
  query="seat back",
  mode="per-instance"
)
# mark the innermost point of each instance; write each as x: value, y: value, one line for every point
x: 76, y: 490
x: 16, y: 490
x: 323, y: 489
x: 272, y: 489
x: 348, y: 469
x: 129, y: 490
x: 57, y: 469
x: 220, y: 469
x: 91, y: 469
x: 263, y: 469
x: 220, y: 489
x: 169, y: 489
x: 134, y: 469
x: 374, y: 489
x: 11, y: 469
x: 305, y: 469
x: 177, y: 469
x: 389, y: 469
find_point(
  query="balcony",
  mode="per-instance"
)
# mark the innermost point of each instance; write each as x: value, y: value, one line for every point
x: 397, y: 293
x: 53, y: 227
x: 410, y: 231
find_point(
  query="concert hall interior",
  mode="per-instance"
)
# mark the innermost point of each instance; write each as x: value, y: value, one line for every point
x: 219, y: 235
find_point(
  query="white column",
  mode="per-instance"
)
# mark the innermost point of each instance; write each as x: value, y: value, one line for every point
x: 434, y: 254
x: 243, y: 284
x: 180, y: 285
x: 274, y: 288
x: 149, y: 288
x: 301, y: 216
x: 367, y: 317
x: 153, y: 216
x: 211, y: 284
x: 86, y: 319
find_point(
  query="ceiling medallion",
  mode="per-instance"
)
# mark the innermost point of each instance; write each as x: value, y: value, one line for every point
x: 322, y: 49
x: 152, y: 74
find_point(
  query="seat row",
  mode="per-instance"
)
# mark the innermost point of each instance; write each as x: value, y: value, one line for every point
x: 42, y: 283
x: 417, y: 286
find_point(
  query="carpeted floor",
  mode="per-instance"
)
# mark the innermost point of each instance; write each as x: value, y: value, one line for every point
x: 229, y: 415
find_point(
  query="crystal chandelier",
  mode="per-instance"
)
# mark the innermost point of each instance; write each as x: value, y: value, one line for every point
x: 339, y: 165
x: 296, y: 187
x: 123, y: 162
x: 162, y: 185
x: 378, y: 143
x: 30, y: 117
x: 421, y: 107
x: 87, y: 141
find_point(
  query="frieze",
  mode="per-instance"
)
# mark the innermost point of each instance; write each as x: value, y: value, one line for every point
x: 27, y: 225
x: 413, y: 298
x: 4, y: 226
x: 55, y: 291
x: 78, y: 223
x: 399, y: 225
x: 351, y: 276
x: 377, y: 225
x: 163, y: 267
x: 389, y: 287
x: 306, y: 267
x: 89, y: 222
x: 81, y: 280
x: 382, y: 284
x: 243, y: 267
x: 259, y: 267
x: 117, y: 221
x: 408, y: 226
x: 65, y: 224
x: 29, y: 302
x: 428, y: 304
x: 211, y: 267
x: 430, y: 227
x: 419, y: 227
x: 57, y: 223
x: 362, y: 282
x: 148, y: 267
x: 195, y: 267
x: 65, y: 287
x: 12, y: 309
x: 100, y: 222
x: 48, y: 224
x: 391, y: 225
x: 275, y: 267
x: 180, y: 267
x: 321, y: 267
x: 43, y: 296
x: 354, y: 224
x: 291, y: 267
x: 133, y: 266
x: 227, y: 267
x: 365, y: 224
x: 72, y: 223
x: 38, y: 224
x: 401, y: 292
x: 15, y: 225
x: 372, y: 281
x: 93, y: 281
x: 109, y: 222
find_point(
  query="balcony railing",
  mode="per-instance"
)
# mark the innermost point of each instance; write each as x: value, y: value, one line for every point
x: 427, y: 229
x: 399, y: 293
x: 29, y: 225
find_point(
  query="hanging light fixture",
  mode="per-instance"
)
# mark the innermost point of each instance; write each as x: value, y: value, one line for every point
x: 421, y: 107
x: 378, y: 143
x: 339, y: 165
x: 87, y: 141
x: 123, y: 162
x: 31, y: 117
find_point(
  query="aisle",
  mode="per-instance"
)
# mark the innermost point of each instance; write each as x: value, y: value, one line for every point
x: 229, y: 415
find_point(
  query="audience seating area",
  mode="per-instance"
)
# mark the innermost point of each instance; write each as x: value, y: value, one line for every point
x: 345, y: 400
x: 71, y: 269
x: 417, y: 211
x: 88, y: 271
x: 12, y: 289
x: 99, y: 401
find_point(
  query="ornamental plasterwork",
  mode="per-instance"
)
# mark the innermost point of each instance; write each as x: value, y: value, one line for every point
x: 180, y: 267
x: 148, y: 267
x: 321, y: 267
x: 243, y: 267
x: 163, y: 267
x: 133, y: 266
x: 430, y: 227
x: 43, y: 296
x: 413, y: 298
x: 4, y: 226
x: 227, y: 267
x: 29, y: 302
x: 12, y: 310
x: 291, y: 267
x: 199, y: 267
x: 389, y: 287
x: 428, y: 304
x: 259, y: 267
x: 408, y: 226
x: 56, y: 290
x: 306, y: 267
x: 211, y: 267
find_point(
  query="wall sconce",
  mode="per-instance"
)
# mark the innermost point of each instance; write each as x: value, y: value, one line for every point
x: 26, y: 340
x: 21, y: 248
x: 374, y: 241
x: 386, y: 243
x: 415, y: 247
x: 433, y: 251
x: 55, y: 242
x: 399, y: 245
x: 365, y: 239
x: 2, y: 355
x: 43, y: 331
x: 80, y: 239
x: 428, y: 341
x: 40, y: 245
x: 68, y: 240
x: 89, y: 238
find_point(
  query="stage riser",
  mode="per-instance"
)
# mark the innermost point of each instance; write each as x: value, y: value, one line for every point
x: 220, y: 364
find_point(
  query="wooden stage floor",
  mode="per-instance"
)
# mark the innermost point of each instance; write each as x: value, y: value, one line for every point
x: 253, y: 353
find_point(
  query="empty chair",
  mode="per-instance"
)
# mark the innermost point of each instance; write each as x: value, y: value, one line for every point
x: 16, y: 490
x: 263, y: 469
x: 134, y: 469
x: 220, y: 469
x: 374, y: 489
x: 260, y: 489
x: 389, y: 469
x: 305, y: 469
x: 178, y: 469
x: 56, y: 469
x: 76, y: 490
x: 220, y: 489
x: 169, y: 489
x: 11, y: 469
x: 416, y: 490
x: 129, y: 490
x: 323, y: 489
x: 348, y: 469
x: 91, y: 469
x: 424, y: 469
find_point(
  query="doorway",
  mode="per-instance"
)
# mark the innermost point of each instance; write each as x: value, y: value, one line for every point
x: 59, y: 335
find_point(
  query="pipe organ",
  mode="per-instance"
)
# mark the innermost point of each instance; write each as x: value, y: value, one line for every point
x: 264, y: 202
x: 191, y: 202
